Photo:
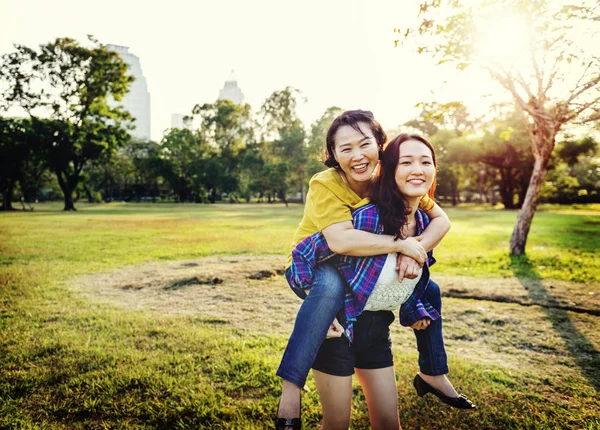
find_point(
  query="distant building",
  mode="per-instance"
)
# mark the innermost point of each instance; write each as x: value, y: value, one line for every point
x: 137, y: 100
x: 181, y: 121
x: 231, y: 91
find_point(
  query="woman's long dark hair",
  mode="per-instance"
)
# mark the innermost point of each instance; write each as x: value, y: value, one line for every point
x: 387, y: 197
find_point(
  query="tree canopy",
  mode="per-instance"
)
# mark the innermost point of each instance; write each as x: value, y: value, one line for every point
x: 64, y: 88
x: 551, y: 76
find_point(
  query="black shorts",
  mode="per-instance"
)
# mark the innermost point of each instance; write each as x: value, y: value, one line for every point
x: 371, y: 348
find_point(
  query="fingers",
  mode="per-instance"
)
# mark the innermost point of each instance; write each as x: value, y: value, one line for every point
x: 420, y: 255
x: 331, y: 333
x: 413, y: 270
x: 335, y: 330
x: 337, y: 325
x: 402, y: 270
x: 421, y: 324
x: 407, y: 268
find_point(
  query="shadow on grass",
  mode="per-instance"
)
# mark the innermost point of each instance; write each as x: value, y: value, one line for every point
x: 581, y: 349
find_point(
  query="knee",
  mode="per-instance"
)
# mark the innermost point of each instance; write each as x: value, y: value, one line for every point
x: 329, y: 282
x: 336, y: 423
x: 433, y: 291
x: 386, y: 423
x: 433, y: 295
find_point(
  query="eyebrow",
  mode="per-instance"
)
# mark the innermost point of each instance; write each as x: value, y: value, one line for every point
x: 422, y: 156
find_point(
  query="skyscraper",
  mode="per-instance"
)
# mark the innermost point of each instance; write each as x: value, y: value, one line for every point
x: 231, y: 91
x: 137, y: 100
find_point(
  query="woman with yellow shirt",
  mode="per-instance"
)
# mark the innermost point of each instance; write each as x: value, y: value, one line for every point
x: 354, y: 144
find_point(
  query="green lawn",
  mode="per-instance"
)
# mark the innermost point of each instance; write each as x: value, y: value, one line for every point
x: 70, y: 360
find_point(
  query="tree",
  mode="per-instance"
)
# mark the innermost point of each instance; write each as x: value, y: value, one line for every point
x: 227, y: 128
x: 505, y: 147
x: 180, y: 151
x: 316, y: 141
x: 575, y: 173
x: 13, y: 153
x: 445, y: 124
x: 70, y: 84
x: 283, y: 137
x: 450, y: 116
x: 541, y: 82
x: 454, y: 161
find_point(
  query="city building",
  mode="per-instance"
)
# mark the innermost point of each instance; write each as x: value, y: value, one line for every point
x: 137, y: 100
x: 231, y: 91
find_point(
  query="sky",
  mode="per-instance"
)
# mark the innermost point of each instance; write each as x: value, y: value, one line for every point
x: 336, y: 52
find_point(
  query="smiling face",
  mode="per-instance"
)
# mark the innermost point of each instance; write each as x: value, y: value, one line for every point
x: 415, y: 172
x: 357, y: 154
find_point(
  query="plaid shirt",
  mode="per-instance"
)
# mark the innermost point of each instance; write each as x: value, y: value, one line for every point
x: 360, y: 273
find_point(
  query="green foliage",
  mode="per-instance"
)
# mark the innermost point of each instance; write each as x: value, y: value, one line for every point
x: 22, y: 162
x: 282, y: 144
x: 73, y: 82
x: 316, y: 141
x: 506, y: 146
x: 449, y: 32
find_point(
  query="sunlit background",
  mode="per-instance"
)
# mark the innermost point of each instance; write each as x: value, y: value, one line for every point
x: 337, y: 53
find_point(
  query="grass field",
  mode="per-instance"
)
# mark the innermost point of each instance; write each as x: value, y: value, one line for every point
x: 112, y: 318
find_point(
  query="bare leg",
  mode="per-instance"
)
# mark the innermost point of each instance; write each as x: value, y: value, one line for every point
x: 379, y: 386
x: 335, y: 393
x: 289, y: 405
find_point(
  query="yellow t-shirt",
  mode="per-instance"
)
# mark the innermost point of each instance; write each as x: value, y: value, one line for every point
x: 330, y: 201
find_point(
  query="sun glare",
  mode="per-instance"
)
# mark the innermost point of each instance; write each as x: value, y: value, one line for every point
x: 502, y: 40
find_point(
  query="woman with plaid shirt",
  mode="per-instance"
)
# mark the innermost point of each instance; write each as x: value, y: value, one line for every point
x: 354, y: 143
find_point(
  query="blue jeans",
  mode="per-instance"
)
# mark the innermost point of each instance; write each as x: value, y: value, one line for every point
x: 314, y: 317
x: 430, y: 342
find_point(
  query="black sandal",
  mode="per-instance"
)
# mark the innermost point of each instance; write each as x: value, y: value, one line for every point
x: 460, y: 402
x: 282, y: 423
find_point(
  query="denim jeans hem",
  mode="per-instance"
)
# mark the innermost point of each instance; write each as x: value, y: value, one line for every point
x: 431, y: 372
x: 296, y: 381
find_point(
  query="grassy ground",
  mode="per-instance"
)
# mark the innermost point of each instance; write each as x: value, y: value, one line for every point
x: 138, y: 348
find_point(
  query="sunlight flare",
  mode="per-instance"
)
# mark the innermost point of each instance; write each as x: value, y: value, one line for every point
x: 503, y: 39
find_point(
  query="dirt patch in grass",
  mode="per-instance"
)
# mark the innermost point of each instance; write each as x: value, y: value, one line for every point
x: 245, y: 292
x: 505, y: 321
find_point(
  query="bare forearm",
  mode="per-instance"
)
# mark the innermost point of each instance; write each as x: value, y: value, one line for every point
x: 359, y: 243
x: 435, y: 232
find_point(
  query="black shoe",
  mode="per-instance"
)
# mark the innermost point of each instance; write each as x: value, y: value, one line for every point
x: 282, y: 423
x: 460, y: 402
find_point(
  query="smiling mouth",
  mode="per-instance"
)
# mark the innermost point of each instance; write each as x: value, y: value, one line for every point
x: 416, y: 181
x: 360, y: 168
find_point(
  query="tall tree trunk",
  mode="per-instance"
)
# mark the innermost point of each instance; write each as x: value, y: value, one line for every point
x: 543, y: 138
x: 67, y: 185
x: 455, y: 197
x: 90, y: 196
x: 281, y: 195
x: 518, y: 239
x: 69, y: 206
x: 7, y: 196
x: 507, y: 188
